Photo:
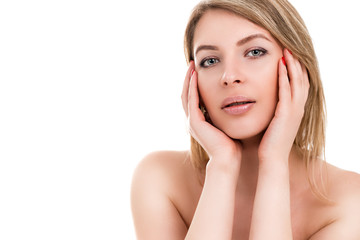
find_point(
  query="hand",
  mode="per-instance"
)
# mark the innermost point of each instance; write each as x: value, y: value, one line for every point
x: 293, y: 93
x: 215, y: 142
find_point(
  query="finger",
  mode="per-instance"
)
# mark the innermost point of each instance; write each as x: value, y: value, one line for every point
x: 185, y: 91
x: 194, y: 111
x: 284, y: 85
x: 306, y: 83
x: 295, y: 74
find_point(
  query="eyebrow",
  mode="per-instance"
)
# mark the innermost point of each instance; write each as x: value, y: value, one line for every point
x: 239, y: 43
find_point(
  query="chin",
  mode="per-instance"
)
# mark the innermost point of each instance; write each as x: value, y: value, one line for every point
x: 244, y: 135
x: 247, y: 130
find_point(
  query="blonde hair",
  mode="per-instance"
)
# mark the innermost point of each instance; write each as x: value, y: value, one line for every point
x: 284, y: 23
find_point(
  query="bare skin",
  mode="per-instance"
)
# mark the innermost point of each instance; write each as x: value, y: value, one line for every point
x: 169, y: 187
x: 255, y: 187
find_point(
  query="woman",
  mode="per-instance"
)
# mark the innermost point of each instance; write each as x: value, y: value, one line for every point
x: 256, y: 113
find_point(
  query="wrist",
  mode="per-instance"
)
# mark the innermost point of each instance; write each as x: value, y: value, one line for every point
x: 277, y: 166
x: 281, y: 158
x: 229, y: 166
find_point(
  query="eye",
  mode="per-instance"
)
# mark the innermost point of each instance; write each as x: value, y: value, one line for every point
x: 207, y: 62
x: 258, y: 52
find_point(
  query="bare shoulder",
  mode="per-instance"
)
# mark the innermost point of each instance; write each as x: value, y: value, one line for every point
x: 160, y: 170
x: 162, y: 165
x: 344, y: 189
x: 344, y: 185
x: 163, y: 157
x: 154, y: 180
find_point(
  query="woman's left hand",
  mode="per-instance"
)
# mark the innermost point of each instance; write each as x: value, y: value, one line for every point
x: 293, y: 93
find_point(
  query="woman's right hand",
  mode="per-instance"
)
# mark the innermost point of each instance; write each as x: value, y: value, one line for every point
x: 215, y: 142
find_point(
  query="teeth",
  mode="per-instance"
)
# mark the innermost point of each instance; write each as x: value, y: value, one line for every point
x: 237, y: 103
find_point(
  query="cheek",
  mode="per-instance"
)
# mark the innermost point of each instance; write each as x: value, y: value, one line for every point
x: 268, y: 90
x: 268, y: 80
x: 207, y: 88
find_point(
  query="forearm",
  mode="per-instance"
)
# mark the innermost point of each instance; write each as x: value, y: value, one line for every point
x: 214, y: 215
x: 271, y: 217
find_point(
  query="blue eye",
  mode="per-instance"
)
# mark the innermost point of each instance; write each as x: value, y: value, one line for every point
x: 256, y: 53
x: 207, y: 62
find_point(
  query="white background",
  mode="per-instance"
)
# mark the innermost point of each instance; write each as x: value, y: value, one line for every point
x: 87, y: 88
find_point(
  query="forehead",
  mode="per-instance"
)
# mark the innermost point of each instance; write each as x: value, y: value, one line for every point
x: 218, y: 27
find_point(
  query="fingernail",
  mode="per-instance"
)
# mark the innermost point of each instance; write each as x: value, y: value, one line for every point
x: 283, y: 60
x: 192, y: 71
x: 290, y: 52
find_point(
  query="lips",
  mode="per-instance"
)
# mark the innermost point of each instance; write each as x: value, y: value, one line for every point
x: 238, y: 105
x: 236, y: 101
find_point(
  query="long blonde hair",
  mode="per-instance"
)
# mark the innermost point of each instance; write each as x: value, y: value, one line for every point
x: 284, y: 23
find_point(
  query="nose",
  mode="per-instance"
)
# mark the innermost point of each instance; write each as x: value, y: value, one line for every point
x: 226, y: 82
x: 232, y: 74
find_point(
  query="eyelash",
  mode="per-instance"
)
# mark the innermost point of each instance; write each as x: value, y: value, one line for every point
x: 261, y: 50
x: 203, y: 62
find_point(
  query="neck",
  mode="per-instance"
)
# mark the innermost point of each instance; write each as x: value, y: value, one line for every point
x: 250, y: 165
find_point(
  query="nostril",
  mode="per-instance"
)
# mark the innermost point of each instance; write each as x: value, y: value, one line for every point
x: 237, y: 81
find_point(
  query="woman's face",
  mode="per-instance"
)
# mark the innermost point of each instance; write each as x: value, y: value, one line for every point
x: 237, y: 66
